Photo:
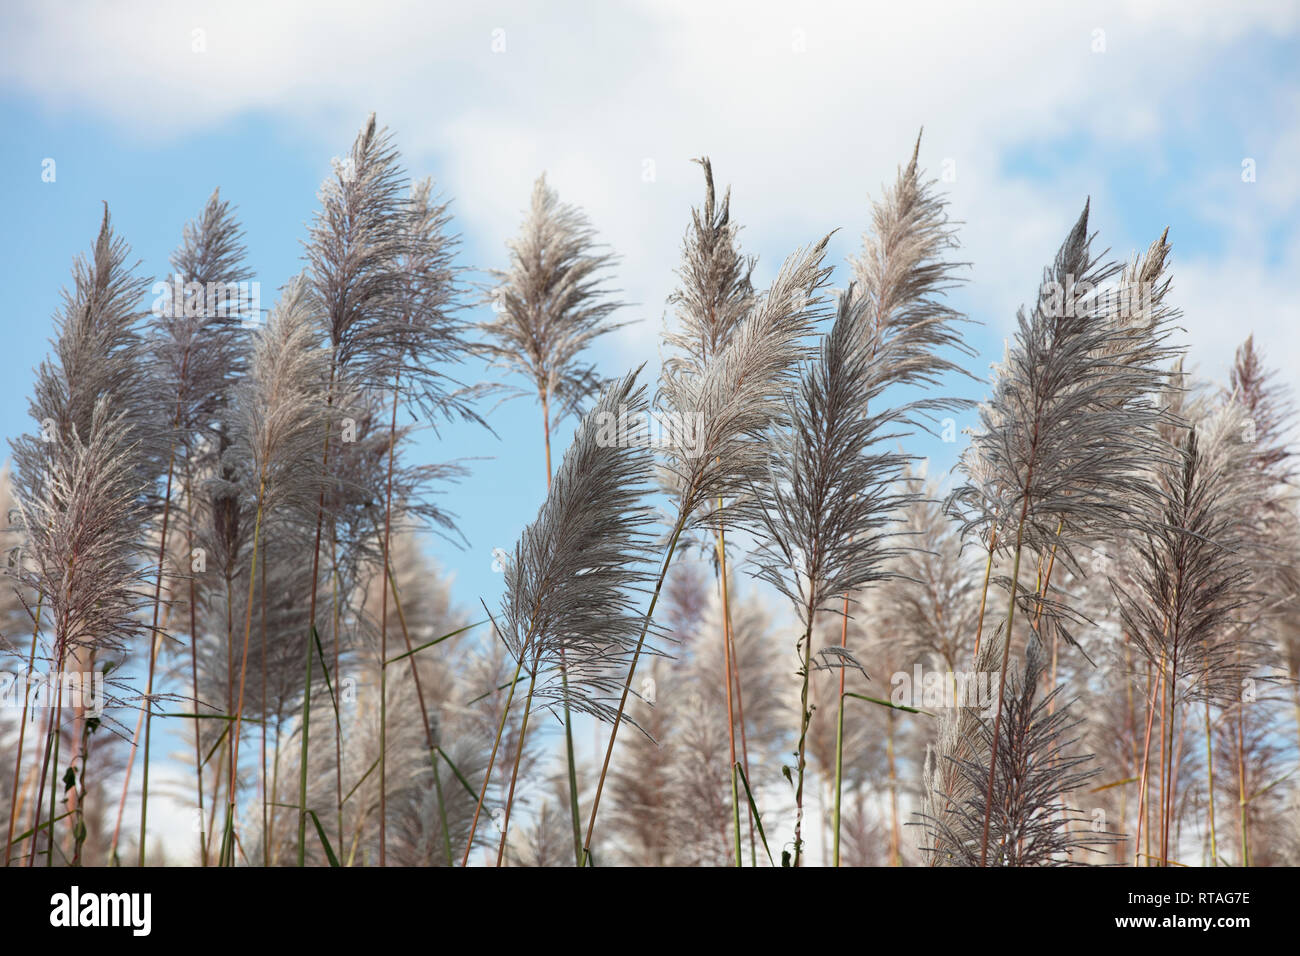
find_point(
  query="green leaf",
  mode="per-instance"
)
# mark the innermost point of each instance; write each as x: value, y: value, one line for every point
x: 885, y: 703
x: 363, y: 779
x: 220, y: 737
x: 24, y: 835
x: 329, y: 850
x: 459, y: 776
x: 436, y: 640
x: 320, y: 652
x: 758, y: 821
x: 320, y: 830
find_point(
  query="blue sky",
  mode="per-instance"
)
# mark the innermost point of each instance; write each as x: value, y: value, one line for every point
x: 806, y: 113
x: 1151, y: 109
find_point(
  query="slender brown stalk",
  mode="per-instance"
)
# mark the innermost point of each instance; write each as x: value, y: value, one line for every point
x: 266, y: 825
x: 336, y: 611
x: 54, y: 784
x: 155, y: 646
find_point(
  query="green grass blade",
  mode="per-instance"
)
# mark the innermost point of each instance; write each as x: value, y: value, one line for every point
x: 362, y: 780
x: 23, y: 836
x: 459, y: 776
x: 329, y: 685
x: 885, y: 703
x: 220, y: 737
x: 758, y: 821
x: 436, y: 640
x: 320, y: 830
x: 329, y: 850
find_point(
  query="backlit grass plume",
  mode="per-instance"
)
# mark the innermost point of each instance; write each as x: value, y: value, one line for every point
x: 904, y: 273
x: 715, y: 452
x: 714, y: 296
x: 82, y: 536
x: 1030, y: 824
x: 1071, y: 430
x: 380, y: 269
x: 196, y: 341
x: 197, y: 336
x: 280, y: 417
x: 84, y: 480
x: 550, y: 305
x: 98, y: 352
x: 825, y: 509
x: 84, y: 561
x: 279, y: 412
x: 1191, y: 580
x: 718, y: 415
x: 358, y: 235
x: 715, y: 293
x: 573, y: 582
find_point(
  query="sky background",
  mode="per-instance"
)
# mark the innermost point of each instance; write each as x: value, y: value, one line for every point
x: 1154, y: 110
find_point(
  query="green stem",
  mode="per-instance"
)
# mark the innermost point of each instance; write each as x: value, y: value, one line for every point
x: 564, y: 672
x: 727, y: 671
x: 487, y: 774
x: 519, y: 755
x: 627, y: 687
x: 243, y: 666
x: 839, y: 741
x: 573, y: 767
x: 311, y: 625
x: 22, y: 732
x: 442, y: 808
x: 153, y: 656
x: 839, y: 776
x: 805, y: 719
x: 54, y: 784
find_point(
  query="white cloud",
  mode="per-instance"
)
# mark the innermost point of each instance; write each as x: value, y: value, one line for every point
x: 806, y: 108
x: 1226, y: 299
